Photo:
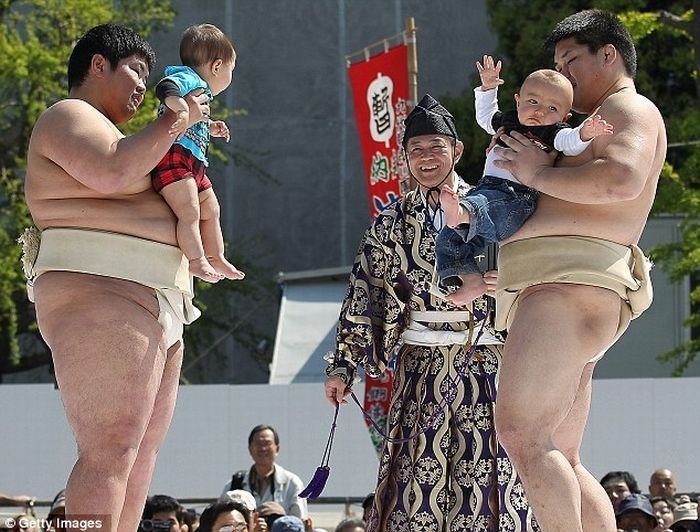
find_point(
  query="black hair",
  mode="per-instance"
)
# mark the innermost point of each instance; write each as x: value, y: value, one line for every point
x: 671, y: 503
x: 260, y: 428
x: 162, y: 503
x: 112, y: 41
x: 211, y: 512
x: 595, y: 28
x: 625, y: 476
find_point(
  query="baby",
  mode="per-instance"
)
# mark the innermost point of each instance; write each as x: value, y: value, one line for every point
x: 499, y: 205
x: 208, y: 59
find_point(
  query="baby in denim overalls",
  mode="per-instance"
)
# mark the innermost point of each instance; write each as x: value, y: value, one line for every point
x: 499, y: 205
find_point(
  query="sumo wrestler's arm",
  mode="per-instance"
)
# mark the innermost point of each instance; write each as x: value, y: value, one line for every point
x: 78, y: 138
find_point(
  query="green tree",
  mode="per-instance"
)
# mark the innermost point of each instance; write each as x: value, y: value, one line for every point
x: 36, y: 38
x: 668, y: 45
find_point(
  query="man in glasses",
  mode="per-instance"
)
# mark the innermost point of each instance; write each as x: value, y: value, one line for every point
x: 266, y: 479
x: 226, y: 516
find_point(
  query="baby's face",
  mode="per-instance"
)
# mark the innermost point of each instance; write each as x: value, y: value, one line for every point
x: 542, y: 103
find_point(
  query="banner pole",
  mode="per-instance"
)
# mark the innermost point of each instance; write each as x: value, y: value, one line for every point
x: 412, y: 75
x: 412, y: 62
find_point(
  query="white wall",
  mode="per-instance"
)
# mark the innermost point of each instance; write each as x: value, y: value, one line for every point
x: 635, y: 424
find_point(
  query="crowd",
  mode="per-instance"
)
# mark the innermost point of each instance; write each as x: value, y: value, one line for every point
x: 662, y: 509
x: 260, y: 507
x: 263, y: 498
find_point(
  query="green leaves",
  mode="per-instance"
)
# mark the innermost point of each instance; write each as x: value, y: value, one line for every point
x: 36, y: 38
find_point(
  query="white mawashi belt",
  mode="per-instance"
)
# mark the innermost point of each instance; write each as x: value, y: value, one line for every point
x: 445, y: 316
x: 418, y: 334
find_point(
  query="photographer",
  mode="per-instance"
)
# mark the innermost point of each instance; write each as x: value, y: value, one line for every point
x: 163, y: 513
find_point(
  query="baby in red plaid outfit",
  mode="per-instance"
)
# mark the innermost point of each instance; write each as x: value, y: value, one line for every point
x: 208, y: 59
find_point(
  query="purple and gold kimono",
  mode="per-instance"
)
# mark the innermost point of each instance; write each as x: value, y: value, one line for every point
x: 454, y: 476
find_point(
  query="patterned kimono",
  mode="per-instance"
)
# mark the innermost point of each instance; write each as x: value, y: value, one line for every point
x: 454, y: 476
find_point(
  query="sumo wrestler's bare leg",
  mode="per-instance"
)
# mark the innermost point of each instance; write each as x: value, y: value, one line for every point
x: 183, y: 199
x: 596, y: 510
x: 212, y: 237
x: 107, y: 347
x: 542, y: 396
x: 142, y: 471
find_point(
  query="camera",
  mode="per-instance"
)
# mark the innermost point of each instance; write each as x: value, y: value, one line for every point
x: 154, y: 525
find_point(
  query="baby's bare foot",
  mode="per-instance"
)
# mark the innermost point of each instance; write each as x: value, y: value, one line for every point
x: 201, y: 268
x: 473, y: 286
x: 225, y: 268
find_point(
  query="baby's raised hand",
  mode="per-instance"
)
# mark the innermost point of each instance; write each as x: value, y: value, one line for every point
x: 218, y: 128
x: 595, y: 126
x: 490, y: 73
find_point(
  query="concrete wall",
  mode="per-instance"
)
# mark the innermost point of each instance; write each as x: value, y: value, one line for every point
x: 291, y: 79
x: 635, y: 425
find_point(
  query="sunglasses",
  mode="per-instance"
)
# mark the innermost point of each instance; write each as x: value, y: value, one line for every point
x: 240, y: 527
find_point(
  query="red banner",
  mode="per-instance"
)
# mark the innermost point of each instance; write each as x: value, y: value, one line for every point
x: 380, y: 93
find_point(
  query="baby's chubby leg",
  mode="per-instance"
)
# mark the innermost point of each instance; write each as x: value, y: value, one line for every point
x: 212, y: 236
x: 182, y: 197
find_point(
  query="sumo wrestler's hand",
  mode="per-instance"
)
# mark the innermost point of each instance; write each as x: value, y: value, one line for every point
x: 182, y: 115
x: 491, y: 278
x: 524, y: 160
x: 198, y: 104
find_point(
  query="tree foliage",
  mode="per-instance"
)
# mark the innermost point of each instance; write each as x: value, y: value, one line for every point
x: 36, y: 38
x: 667, y: 37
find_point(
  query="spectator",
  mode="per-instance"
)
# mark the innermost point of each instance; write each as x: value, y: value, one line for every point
x: 241, y: 496
x: 685, y: 516
x: 190, y: 518
x: 270, y: 511
x: 288, y: 523
x: 232, y: 515
x: 663, y: 510
x: 161, y: 509
x: 635, y: 513
x: 351, y: 525
x: 663, y: 484
x: 618, y: 485
x: 256, y: 523
x: 267, y: 480
x: 309, y: 525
